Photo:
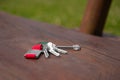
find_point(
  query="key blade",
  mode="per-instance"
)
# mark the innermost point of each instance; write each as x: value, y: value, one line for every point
x: 46, y: 53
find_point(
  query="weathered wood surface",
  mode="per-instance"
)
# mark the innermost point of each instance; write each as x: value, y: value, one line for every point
x: 99, y: 58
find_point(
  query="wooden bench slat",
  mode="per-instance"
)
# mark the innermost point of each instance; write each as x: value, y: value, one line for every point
x: 99, y: 58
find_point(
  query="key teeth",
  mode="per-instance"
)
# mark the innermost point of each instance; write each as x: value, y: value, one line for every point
x: 46, y: 56
x: 54, y: 52
x: 57, y: 55
x: 65, y: 52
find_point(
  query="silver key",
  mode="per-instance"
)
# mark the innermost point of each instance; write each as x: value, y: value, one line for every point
x: 45, y: 51
x: 75, y: 47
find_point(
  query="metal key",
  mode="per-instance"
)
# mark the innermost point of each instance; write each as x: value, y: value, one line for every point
x: 75, y: 47
x: 45, y: 51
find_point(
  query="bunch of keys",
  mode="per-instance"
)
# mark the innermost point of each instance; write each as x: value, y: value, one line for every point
x: 46, y: 48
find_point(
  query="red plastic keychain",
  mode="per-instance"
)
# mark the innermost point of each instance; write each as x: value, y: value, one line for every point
x: 34, y: 52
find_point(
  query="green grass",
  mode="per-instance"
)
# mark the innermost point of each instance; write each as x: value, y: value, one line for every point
x: 66, y: 13
x: 113, y: 20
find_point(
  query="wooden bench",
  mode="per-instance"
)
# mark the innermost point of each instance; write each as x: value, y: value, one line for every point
x: 98, y: 59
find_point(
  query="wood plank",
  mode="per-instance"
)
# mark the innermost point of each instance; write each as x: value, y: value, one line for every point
x: 99, y: 58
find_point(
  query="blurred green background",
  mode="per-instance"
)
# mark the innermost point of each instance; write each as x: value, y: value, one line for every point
x: 66, y: 13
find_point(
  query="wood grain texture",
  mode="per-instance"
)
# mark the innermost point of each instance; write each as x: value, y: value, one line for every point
x: 99, y: 58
